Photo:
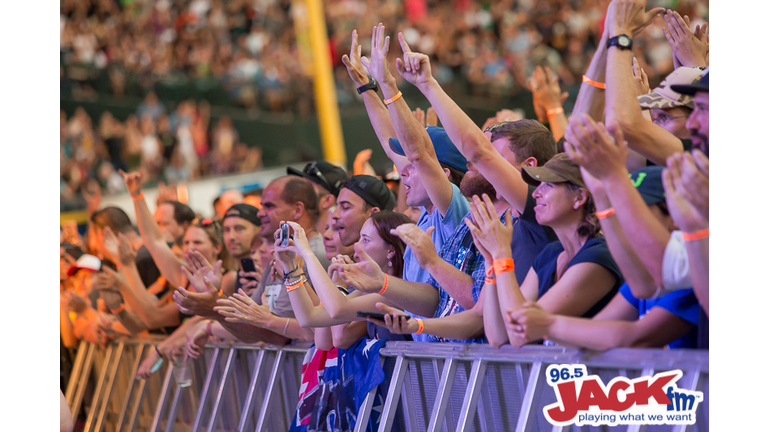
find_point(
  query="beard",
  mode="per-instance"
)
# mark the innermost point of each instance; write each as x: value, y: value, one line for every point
x: 474, y: 183
x: 701, y: 142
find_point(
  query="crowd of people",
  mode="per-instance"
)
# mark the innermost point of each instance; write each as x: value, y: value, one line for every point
x: 592, y: 233
x: 251, y: 49
x: 170, y: 147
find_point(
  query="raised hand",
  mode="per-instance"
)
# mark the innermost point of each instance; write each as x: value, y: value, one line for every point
x: 629, y: 17
x: 506, y: 115
x: 414, y: 67
x: 198, y: 269
x: 364, y: 275
x: 683, y: 212
x: 198, y: 303
x: 690, y: 48
x: 133, y: 182
x: 695, y: 180
x: 354, y: 65
x: 641, y: 79
x: 110, y: 243
x: 125, y: 250
x: 591, y: 146
x: 377, y: 65
x: 546, y: 92
x: 419, y: 241
x: 485, y: 226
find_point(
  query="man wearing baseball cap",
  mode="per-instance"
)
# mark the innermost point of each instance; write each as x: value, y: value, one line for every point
x: 360, y: 197
x: 670, y: 109
x: 698, y: 121
x: 326, y: 178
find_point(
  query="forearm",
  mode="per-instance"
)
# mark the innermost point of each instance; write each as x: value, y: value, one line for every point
x: 382, y: 126
x: 591, y: 100
x: 131, y: 321
x: 558, y: 123
x: 345, y: 335
x: 288, y: 327
x: 153, y: 240
x: 493, y: 321
x: 67, y: 330
x: 251, y: 334
x: 632, y: 268
x: 142, y: 303
x: 467, y: 324
x: 307, y: 313
x: 643, y: 231
x: 323, y: 338
x: 591, y: 334
x: 333, y: 300
x: 698, y: 259
x: 455, y: 282
x: 418, y: 148
x: 622, y: 109
x: 419, y: 298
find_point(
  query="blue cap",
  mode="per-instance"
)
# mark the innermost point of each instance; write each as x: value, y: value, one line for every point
x: 447, y: 153
x: 648, y: 182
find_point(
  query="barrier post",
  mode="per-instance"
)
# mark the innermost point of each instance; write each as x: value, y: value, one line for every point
x: 443, y: 395
x: 474, y: 384
x: 251, y: 390
x: 111, y: 384
x: 222, y: 385
x: 129, y: 390
x: 260, y: 426
x: 99, y: 387
x: 74, y: 375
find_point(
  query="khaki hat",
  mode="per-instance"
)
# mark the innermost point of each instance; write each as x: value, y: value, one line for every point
x: 663, y: 96
x: 559, y: 169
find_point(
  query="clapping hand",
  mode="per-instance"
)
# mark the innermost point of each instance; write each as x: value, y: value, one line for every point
x: 239, y: 308
x: 485, y: 226
x: 365, y: 275
x: 591, y: 146
x: 690, y: 48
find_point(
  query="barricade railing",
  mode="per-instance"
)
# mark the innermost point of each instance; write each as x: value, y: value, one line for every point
x: 428, y: 387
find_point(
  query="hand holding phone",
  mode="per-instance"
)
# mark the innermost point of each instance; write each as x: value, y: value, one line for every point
x: 379, y: 315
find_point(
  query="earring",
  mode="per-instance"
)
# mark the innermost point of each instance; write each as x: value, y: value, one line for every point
x: 390, y: 263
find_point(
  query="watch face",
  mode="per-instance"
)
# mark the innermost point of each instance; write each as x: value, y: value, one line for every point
x: 623, y: 41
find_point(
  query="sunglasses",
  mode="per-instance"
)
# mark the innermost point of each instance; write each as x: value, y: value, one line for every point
x: 314, y: 171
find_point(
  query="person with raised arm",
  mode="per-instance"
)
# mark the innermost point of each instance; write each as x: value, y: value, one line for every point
x: 575, y: 275
x: 548, y: 100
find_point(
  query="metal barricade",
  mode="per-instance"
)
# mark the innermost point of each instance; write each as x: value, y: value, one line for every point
x: 429, y: 387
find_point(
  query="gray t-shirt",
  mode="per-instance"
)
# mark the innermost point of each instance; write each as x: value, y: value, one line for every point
x: 277, y: 297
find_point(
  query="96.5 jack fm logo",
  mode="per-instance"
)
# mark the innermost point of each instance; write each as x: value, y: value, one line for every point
x: 585, y: 400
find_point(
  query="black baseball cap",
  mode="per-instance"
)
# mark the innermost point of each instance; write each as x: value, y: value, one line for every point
x: 647, y: 181
x: 374, y: 191
x: 696, y: 86
x: 244, y: 211
x: 323, y: 173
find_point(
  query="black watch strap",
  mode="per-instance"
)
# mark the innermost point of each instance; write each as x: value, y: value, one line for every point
x: 622, y: 42
x: 372, y: 85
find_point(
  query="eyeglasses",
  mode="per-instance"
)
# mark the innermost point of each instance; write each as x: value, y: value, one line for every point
x: 663, y: 119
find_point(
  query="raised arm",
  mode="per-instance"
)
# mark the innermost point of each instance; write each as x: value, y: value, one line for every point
x: 414, y: 138
x: 692, y: 221
x: 591, y: 97
x: 464, y: 133
x: 604, y: 157
x: 548, y: 100
x: 151, y: 236
x: 377, y: 113
x: 628, y: 17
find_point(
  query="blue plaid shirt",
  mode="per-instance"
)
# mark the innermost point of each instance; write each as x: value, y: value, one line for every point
x: 460, y: 251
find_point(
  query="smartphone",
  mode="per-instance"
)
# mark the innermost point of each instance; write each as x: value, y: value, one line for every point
x: 377, y: 315
x: 284, y: 234
x: 247, y: 265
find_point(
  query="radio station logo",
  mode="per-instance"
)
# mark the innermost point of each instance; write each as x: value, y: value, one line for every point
x: 585, y: 400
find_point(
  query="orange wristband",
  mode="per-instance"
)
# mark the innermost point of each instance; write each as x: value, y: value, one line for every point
x: 138, y: 197
x: 605, y: 213
x: 421, y: 325
x: 594, y: 84
x: 393, y: 98
x: 503, y: 265
x: 386, y: 283
x: 161, y: 280
x: 490, y: 281
x: 118, y: 310
x: 698, y: 235
x: 554, y: 111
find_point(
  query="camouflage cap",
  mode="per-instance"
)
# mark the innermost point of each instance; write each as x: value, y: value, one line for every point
x: 663, y: 96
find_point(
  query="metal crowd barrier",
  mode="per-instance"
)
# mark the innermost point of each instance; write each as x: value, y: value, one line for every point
x: 429, y: 387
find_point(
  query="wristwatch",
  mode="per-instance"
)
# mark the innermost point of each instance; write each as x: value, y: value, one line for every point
x: 622, y: 41
x: 372, y: 85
